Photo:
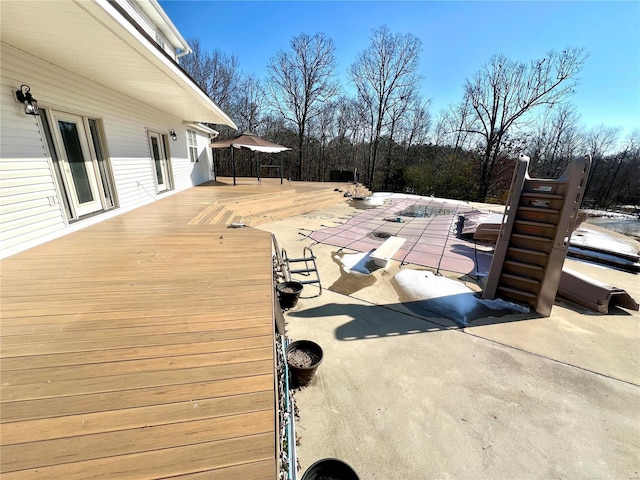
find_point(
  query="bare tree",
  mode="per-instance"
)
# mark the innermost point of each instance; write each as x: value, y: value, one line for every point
x: 417, y: 124
x: 362, y: 136
x: 383, y: 74
x: 353, y: 124
x: 452, y: 125
x: 344, y: 113
x: 325, y: 124
x: 554, y: 141
x: 622, y: 159
x: 249, y: 103
x: 504, y: 91
x: 341, y: 146
x: 628, y: 188
x: 215, y: 72
x: 301, y: 82
x: 224, y: 79
x: 599, y: 142
x: 197, y: 64
x: 396, y: 112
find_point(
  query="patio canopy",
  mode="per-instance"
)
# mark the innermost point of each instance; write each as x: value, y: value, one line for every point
x: 252, y: 142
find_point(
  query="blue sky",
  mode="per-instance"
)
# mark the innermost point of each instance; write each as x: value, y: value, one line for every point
x: 458, y: 37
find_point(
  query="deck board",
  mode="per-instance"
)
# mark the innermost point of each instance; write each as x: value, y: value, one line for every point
x: 141, y: 347
x: 113, y: 401
x: 165, y: 463
x: 129, y: 418
x: 134, y: 440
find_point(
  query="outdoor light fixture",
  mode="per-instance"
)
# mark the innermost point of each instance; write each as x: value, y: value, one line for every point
x: 173, y: 134
x: 30, y: 104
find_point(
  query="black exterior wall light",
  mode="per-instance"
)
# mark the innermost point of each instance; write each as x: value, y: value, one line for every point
x: 24, y: 96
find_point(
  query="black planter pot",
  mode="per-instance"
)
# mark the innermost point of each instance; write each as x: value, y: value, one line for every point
x: 288, y: 294
x: 330, y: 468
x: 301, y: 376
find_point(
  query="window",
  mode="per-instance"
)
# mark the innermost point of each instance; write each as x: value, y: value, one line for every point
x: 192, y: 143
x: 160, y: 40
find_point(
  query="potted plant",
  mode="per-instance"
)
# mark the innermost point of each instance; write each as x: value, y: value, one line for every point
x: 303, y: 359
x: 330, y: 469
x: 288, y: 294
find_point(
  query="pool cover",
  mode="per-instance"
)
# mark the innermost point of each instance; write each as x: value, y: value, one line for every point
x: 431, y: 239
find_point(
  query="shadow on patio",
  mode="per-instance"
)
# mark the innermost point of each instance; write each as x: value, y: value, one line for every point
x: 378, y: 321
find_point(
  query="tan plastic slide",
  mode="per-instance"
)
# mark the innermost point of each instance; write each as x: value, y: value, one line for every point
x: 592, y: 293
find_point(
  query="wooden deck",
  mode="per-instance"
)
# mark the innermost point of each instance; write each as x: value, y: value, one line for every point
x: 142, y: 347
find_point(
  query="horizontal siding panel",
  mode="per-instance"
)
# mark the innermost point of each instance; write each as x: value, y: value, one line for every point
x: 10, y: 238
x: 16, y: 129
x: 21, y: 147
x: 136, y: 195
x: 14, y: 194
x: 44, y: 189
x: 31, y: 239
x: 24, y: 204
x: 17, y: 220
x: 33, y: 178
x: 32, y: 199
x: 9, y: 165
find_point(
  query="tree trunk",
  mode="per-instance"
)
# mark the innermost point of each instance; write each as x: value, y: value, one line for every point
x: 385, y: 183
x: 483, y: 187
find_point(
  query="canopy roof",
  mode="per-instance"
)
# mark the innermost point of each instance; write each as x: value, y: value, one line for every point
x: 251, y: 141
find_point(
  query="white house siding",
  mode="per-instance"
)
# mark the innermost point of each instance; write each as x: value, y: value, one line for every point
x: 31, y: 210
x: 202, y: 169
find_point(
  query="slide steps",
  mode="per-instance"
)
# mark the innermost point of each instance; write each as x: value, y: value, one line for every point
x: 534, y: 236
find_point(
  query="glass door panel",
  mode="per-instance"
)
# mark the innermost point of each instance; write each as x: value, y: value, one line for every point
x: 103, y: 165
x: 159, y: 161
x: 71, y: 141
x: 77, y: 165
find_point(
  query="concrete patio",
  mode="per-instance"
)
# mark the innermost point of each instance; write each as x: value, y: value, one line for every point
x: 399, y: 395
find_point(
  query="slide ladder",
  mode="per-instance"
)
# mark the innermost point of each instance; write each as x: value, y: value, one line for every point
x: 534, y: 235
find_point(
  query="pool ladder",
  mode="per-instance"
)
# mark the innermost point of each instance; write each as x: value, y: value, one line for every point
x: 282, y: 266
x: 310, y: 270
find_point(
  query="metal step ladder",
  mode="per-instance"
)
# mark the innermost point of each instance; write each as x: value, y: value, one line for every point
x: 310, y: 270
x: 282, y: 266
x: 280, y: 271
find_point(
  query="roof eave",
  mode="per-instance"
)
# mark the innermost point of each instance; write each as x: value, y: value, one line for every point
x: 68, y: 34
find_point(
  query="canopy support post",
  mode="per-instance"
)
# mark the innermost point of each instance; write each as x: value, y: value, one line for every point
x: 233, y: 163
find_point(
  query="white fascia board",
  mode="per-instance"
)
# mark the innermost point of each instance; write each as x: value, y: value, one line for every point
x: 162, y: 21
